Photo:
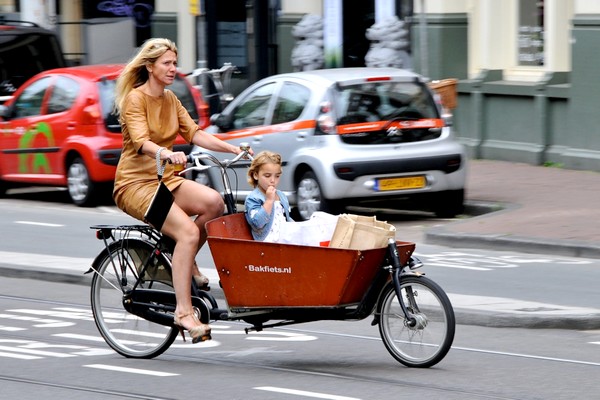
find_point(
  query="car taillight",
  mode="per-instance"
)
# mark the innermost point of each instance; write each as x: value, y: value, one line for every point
x: 379, y: 79
x: 325, y: 121
x: 91, y: 115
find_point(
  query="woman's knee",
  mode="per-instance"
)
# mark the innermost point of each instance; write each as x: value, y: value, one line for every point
x: 214, y: 205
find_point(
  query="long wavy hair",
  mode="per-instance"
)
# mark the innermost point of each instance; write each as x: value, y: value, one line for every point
x: 135, y: 72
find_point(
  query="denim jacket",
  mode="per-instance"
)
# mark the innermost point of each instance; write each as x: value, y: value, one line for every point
x: 261, y: 222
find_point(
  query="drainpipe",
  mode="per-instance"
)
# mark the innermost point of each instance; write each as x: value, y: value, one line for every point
x: 423, y: 41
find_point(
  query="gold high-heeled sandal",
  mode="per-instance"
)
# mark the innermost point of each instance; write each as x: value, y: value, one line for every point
x: 200, y: 279
x: 199, y: 333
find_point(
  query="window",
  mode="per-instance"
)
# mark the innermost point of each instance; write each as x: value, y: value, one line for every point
x: 181, y: 90
x: 531, y: 33
x: 30, y: 101
x: 253, y: 109
x: 290, y: 103
x: 63, y: 95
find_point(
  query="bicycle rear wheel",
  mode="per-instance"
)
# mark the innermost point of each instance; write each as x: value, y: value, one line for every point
x: 116, y: 271
x: 429, y: 340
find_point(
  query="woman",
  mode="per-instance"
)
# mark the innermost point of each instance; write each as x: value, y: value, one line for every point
x: 151, y: 119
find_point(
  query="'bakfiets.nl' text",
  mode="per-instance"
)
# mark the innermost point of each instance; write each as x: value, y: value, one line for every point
x: 269, y: 269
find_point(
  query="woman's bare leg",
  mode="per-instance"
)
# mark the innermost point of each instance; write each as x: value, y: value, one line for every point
x: 190, y: 199
x: 184, y: 232
x: 206, y: 204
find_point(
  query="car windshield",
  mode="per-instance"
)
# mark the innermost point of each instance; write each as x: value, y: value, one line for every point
x: 381, y: 112
x: 106, y: 88
x: 379, y: 101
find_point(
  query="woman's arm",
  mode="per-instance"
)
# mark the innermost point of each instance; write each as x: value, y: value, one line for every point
x: 211, y: 142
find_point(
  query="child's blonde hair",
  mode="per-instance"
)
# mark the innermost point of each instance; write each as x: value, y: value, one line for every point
x: 262, y: 158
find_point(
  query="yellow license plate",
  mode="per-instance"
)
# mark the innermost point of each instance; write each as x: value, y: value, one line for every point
x: 407, y: 182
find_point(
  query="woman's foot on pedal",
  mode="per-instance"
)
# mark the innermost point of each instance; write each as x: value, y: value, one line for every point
x: 200, y: 279
x: 196, y: 329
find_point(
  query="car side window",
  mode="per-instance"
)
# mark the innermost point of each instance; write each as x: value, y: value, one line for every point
x: 253, y: 109
x: 63, y: 95
x: 30, y: 101
x: 181, y: 90
x: 290, y: 103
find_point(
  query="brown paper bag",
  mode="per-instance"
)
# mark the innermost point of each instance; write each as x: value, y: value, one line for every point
x: 360, y: 233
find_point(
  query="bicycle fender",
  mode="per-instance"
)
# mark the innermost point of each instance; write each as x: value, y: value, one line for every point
x: 105, y: 253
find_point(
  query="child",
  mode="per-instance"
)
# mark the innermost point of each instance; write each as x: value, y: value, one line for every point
x: 267, y: 208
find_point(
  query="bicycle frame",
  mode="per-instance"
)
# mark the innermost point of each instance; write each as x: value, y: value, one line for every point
x: 139, y: 251
x: 196, y: 161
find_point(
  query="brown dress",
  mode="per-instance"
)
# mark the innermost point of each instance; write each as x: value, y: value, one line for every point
x: 143, y: 118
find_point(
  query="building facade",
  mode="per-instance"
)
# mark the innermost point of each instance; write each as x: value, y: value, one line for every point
x: 527, y: 69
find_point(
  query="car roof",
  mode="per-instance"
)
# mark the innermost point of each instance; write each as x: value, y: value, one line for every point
x: 332, y: 75
x: 9, y: 28
x: 89, y: 72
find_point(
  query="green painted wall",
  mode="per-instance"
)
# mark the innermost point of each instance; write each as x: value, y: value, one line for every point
x: 583, y: 150
x: 447, y: 52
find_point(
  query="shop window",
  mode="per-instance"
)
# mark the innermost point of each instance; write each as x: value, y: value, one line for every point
x: 531, y: 33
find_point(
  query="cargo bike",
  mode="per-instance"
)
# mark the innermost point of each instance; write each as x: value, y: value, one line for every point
x: 266, y: 285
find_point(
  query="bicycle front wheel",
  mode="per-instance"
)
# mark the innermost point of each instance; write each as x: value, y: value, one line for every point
x: 115, y: 273
x: 427, y: 341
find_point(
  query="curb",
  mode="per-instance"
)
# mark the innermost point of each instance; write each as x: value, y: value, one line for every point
x: 510, y: 320
x: 446, y: 236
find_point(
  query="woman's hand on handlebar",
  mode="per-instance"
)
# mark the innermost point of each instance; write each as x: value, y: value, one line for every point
x: 177, y: 158
x: 244, y: 147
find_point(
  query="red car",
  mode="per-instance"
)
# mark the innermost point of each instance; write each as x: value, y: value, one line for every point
x: 59, y: 130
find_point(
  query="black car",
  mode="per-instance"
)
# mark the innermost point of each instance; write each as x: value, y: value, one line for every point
x: 25, y: 50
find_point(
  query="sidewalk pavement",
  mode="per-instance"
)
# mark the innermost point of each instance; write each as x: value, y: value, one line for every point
x: 532, y: 209
x: 544, y: 210
x: 518, y: 207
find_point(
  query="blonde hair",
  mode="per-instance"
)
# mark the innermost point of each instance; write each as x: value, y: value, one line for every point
x: 262, y: 158
x: 135, y: 72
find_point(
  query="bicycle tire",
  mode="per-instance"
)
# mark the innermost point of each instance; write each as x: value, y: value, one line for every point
x: 126, y: 333
x: 427, y: 343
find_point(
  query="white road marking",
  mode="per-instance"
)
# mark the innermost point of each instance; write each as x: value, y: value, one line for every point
x: 130, y: 370
x: 35, y: 352
x: 305, y: 393
x: 19, y: 356
x: 39, y: 224
x: 11, y: 328
x: 80, y: 337
x: 45, y: 261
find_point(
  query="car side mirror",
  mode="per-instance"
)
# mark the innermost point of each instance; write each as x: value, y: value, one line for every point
x: 4, y: 112
x: 222, y: 121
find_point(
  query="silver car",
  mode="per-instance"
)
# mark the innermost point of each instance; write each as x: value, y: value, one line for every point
x: 349, y: 136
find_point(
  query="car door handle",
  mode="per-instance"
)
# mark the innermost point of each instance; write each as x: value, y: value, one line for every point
x: 257, y: 139
x: 71, y: 126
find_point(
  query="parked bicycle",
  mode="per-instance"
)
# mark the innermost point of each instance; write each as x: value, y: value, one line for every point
x: 266, y: 285
x: 220, y: 78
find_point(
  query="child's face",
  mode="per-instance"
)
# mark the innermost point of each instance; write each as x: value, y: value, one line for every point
x: 268, y: 175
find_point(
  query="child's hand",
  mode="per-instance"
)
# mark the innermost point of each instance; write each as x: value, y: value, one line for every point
x: 271, y: 193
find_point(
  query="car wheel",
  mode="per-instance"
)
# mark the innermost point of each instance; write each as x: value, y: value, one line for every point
x: 310, y: 198
x: 449, y: 204
x: 81, y: 188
